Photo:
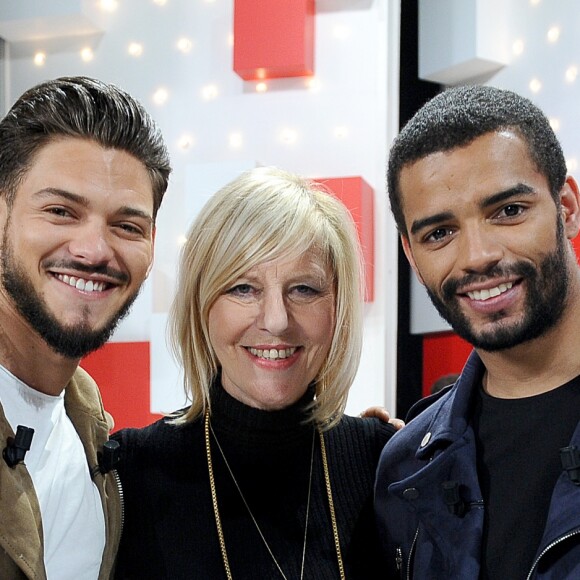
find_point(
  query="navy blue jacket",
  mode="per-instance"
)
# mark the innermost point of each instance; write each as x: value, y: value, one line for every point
x: 428, y: 501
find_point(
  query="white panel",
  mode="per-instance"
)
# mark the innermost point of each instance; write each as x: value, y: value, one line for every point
x: 135, y: 327
x: 424, y: 316
x: 26, y: 20
x: 455, y: 44
x: 202, y: 180
x: 167, y: 393
x: 332, y: 5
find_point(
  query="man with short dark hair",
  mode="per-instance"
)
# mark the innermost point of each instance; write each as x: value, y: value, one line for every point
x: 83, y: 170
x: 484, y: 481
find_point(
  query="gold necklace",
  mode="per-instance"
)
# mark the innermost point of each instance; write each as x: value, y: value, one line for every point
x: 221, y: 538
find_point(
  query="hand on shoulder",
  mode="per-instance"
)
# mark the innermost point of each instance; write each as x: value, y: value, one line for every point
x: 382, y: 414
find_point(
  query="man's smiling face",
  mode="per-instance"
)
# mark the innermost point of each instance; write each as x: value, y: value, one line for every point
x: 77, y: 243
x: 487, y: 240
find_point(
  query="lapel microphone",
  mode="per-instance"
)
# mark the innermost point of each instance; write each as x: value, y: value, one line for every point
x: 570, y: 458
x: 110, y: 456
x: 17, y: 446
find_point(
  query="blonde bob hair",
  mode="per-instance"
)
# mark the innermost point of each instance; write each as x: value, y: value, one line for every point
x: 264, y: 214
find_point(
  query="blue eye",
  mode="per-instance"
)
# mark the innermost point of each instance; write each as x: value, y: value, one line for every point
x: 240, y: 290
x: 305, y: 290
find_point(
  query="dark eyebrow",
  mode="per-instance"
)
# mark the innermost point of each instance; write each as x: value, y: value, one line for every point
x: 519, y: 189
x: 55, y: 192
x: 79, y: 199
x: 133, y: 212
x: 500, y: 196
x: 418, y: 225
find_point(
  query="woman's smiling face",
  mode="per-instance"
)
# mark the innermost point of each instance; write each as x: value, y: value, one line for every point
x: 272, y: 329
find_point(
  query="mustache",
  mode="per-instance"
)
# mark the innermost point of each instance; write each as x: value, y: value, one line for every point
x: 520, y: 269
x: 101, y: 269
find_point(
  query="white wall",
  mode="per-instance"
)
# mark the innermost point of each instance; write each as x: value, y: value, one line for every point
x: 341, y: 122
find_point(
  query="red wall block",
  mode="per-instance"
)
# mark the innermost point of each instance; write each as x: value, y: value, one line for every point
x: 358, y: 196
x: 273, y: 38
x: 442, y: 354
x: 122, y: 371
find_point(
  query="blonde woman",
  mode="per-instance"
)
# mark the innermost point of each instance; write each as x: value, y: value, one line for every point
x: 262, y: 476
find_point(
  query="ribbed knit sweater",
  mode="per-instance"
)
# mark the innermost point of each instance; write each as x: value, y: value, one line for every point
x: 170, y: 528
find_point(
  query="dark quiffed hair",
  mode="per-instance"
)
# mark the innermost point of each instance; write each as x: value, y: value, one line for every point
x: 456, y: 117
x: 84, y: 108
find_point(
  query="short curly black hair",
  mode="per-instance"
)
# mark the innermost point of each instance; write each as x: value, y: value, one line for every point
x: 457, y: 116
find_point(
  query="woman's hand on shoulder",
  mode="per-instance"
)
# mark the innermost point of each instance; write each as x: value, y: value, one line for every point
x: 382, y: 414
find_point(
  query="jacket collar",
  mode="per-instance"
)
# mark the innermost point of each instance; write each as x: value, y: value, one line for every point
x: 452, y: 411
x: 85, y: 409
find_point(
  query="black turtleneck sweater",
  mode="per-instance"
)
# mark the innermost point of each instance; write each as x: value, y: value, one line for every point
x: 169, y: 524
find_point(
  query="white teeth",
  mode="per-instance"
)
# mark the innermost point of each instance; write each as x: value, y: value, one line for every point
x: 80, y: 284
x: 272, y: 353
x: 489, y: 292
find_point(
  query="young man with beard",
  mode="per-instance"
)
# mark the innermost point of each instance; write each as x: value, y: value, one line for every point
x: 484, y: 481
x: 83, y: 170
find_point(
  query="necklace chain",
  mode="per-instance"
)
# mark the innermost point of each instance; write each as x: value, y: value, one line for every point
x: 254, y: 518
x: 331, y: 505
x: 220, y: 532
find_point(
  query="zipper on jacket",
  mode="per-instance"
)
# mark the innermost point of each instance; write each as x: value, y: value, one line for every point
x: 399, y: 561
x: 121, y: 497
x: 96, y: 470
x: 399, y: 558
x: 548, y: 548
x: 478, y: 503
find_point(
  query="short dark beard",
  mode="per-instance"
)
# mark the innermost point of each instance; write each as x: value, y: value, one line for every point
x: 71, y: 342
x: 547, y: 292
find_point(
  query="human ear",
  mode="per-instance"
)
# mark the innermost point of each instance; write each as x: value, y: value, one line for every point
x: 570, y: 207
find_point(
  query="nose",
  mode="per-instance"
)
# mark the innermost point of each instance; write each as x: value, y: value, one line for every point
x: 90, y: 243
x: 273, y: 315
x: 480, y: 249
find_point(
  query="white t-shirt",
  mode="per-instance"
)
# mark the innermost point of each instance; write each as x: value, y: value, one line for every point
x: 70, y: 505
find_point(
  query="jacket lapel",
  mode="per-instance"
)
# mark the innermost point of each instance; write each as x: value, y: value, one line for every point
x: 20, y: 524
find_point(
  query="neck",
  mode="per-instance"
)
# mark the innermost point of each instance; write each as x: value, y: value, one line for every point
x: 257, y: 430
x: 25, y: 354
x: 538, y: 365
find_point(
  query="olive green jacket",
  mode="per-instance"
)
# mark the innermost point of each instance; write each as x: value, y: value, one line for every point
x: 21, y: 536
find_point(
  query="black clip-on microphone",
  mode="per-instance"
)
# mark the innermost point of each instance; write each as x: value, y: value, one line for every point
x: 17, y: 446
x: 570, y: 458
x: 110, y: 456
x: 452, y: 498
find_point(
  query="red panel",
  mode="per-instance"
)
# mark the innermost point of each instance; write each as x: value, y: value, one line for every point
x: 358, y: 196
x: 121, y: 370
x: 442, y: 354
x: 273, y: 38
